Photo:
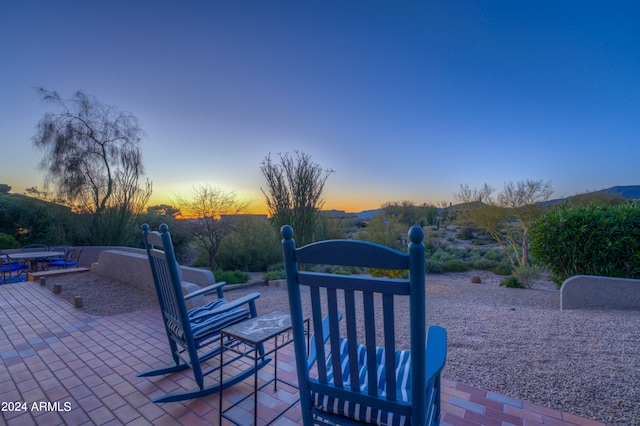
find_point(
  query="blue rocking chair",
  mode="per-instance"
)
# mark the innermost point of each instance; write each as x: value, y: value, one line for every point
x: 366, y: 382
x: 194, y: 335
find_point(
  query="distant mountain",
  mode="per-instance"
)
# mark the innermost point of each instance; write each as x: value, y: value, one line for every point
x: 631, y: 192
x: 367, y: 214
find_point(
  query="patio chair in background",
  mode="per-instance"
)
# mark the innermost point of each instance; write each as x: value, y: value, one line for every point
x: 40, y: 263
x: 71, y: 259
x: 193, y: 334
x: 368, y: 382
x: 35, y: 247
x: 8, y: 266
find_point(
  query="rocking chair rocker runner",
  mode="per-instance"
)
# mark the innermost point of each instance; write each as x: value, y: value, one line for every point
x: 191, y: 332
x: 363, y: 382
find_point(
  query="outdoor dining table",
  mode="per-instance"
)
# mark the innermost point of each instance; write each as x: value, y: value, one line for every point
x: 33, y: 256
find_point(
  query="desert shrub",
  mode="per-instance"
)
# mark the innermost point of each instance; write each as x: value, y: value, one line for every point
x: 466, y: 233
x: 276, y: 267
x: 477, y: 242
x: 231, y: 277
x: 252, y: 246
x: 502, y: 268
x: 599, y: 240
x: 201, y: 259
x: 512, y: 282
x: 390, y: 273
x: 471, y: 255
x: 494, y: 254
x: 434, y: 267
x: 274, y: 274
x: 484, y: 264
x: 8, y: 242
x: 432, y: 245
x: 442, y: 256
x: 456, y: 265
x: 527, y: 274
x: 333, y: 269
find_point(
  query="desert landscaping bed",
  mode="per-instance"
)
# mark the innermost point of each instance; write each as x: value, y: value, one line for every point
x: 514, y: 342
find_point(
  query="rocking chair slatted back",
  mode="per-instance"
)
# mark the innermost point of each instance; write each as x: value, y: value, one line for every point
x: 362, y: 376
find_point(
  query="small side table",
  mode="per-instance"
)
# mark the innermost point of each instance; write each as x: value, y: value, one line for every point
x: 255, y: 332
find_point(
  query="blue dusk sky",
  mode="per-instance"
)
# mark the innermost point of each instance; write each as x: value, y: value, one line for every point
x: 403, y: 100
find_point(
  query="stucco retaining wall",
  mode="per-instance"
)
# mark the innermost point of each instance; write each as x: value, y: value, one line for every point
x: 586, y: 291
x: 132, y: 267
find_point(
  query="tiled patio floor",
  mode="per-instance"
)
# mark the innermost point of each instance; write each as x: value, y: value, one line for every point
x: 80, y: 369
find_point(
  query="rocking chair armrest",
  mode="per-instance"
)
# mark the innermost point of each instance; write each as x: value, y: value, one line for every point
x: 436, y: 351
x: 205, y: 290
x: 248, y: 299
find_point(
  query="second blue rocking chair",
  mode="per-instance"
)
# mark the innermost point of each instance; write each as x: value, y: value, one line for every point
x: 345, y: 381
x: 191, y: 332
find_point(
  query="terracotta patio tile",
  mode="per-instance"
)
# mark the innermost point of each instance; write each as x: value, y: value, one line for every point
x: 472, y: 390
x: 505, y: 417
x: 80, y: 392
x: 544, y: 411
x: 126, y: 413
x: 523, y: 413
x: 88, y: 404
x: 486, y: 402
x: 47, y: 418
x: 457, y: 421
x: 101, y: 415
x: 56, y: 394
x: 579, y: 420
x: 93, y: 363
x: 481, y: 419
x: 114, y: 401
x: 151, y: 411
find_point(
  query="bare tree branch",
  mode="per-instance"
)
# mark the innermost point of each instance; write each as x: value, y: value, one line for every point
x: 93, y: 161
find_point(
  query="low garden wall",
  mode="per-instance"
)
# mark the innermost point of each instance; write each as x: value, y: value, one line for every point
x: 586, y: 291
x: 131, y: 266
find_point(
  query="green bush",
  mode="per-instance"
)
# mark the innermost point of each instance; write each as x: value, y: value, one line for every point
x: 494, y: 255
x: 388, y: 273
x: 201, y: 259
x: 274, y: 274
x: 252, y: 246
x: 484, y: 264
x: 434, y: 267
x: 598, y: 240
x: 502, y: 268
x: 456, y: 265
x: 333, y: 269
x: 512, y: 282
x: 8, y: 242
x: 466, y: 233
x: 527, y: 274
x: 442, y: 256
x: 231, y: 277
x: 276, y: 267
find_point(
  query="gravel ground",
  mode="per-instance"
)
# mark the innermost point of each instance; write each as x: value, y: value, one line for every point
x: 514, y: 342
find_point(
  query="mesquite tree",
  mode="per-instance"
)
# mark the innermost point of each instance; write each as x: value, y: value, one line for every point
x: 507, y: 217
x: 212, y: 215
x: 294, y: 193
x: 93, y: 160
